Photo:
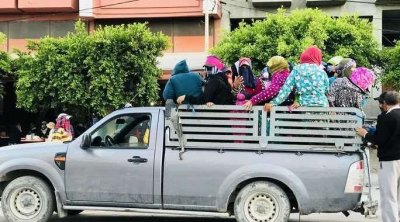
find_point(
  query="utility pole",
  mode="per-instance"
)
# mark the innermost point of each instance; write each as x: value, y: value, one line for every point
x: 207, y: 32
x: 208, y: 7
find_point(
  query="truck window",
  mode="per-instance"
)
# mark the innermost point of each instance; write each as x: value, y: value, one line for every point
x: 131, y: 131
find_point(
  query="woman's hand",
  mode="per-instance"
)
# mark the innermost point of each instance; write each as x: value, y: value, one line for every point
x: 238, y: 81
x: 248, y: 105
x: 209, y: 104
x: 180, y: 99
x: 268, y: 107
x: 295, y: 105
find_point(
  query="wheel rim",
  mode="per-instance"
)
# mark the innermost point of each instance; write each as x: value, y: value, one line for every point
x: 261, y: 207
x: 25, y: 203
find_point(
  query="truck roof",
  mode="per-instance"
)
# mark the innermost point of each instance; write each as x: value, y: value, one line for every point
x: 140, y: 109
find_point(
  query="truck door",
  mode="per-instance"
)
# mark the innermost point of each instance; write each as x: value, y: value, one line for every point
x: 118, y: 166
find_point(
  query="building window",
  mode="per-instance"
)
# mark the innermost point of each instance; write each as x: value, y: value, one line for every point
x: 28, y: 29
x: 61, y: 28
x: 390, y: 27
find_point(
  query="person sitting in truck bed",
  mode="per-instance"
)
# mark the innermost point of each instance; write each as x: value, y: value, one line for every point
x: 308, y: 80
x: 343, y: 69
x: 351, y: 91
x: 181, y: 82
x: 279, y: 69
x: 217, y: 91
x: 244, y: 81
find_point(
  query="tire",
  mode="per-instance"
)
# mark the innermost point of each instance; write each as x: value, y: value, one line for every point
x: 262, y: 202
x: 74, y: 212
x: 27, y: 199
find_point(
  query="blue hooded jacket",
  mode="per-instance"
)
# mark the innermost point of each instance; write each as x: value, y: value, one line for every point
x: 183, y: 82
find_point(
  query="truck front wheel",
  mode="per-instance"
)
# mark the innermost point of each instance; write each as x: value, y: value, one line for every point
x: 27, y: 199
x: 262, y: 202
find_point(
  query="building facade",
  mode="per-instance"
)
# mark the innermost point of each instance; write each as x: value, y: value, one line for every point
x: 384, y: 14
x: 183, y: 21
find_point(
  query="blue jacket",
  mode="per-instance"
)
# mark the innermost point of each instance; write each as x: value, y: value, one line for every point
x: 183, y: 82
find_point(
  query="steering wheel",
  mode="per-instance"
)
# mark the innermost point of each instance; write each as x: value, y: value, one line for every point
x: 109, y: 141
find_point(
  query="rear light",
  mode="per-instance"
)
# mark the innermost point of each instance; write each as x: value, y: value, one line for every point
x: 355, y: 178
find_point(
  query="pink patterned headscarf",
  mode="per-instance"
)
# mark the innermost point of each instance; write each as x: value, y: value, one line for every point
x: 363, y: 77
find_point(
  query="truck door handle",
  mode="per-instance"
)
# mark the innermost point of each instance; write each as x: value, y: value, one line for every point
x: 137, y: 159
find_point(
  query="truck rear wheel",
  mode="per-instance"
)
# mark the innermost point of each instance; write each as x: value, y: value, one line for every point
x: 27, y: 199
x: 262, y: 202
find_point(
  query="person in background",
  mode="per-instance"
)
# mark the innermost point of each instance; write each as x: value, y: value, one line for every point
x: 387, y: 137
x: 43, y: 132
x: 51, y: 128
x: 33, y: 129
x: 308, y: 81
x: 279, y: 68
x: 351, y: 91
x: 15, y: 134
x: 181, y: 82
x: 63, y: 129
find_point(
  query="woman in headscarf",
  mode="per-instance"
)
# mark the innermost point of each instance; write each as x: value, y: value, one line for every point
x: 279, y: 69
x: 308, y: 80
x: 346, y: 67
x: 351, y: 91
x: 243, y: 79
x: 216, y: 91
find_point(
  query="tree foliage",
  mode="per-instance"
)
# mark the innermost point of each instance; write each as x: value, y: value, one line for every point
x: 391, y: 74
x: 96, y: 72
x: 289, y: 34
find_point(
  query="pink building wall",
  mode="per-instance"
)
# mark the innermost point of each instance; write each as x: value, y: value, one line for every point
x: 148, y: 9
x: 48, y: 5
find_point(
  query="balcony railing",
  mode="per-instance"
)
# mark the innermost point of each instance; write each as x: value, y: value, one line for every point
x: 319, y: 3
x: 272, y: 3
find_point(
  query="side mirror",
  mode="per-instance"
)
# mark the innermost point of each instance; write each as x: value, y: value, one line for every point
x: 86, y: 141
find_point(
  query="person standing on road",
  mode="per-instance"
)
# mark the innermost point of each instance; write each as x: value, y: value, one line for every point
x: 387, y: 137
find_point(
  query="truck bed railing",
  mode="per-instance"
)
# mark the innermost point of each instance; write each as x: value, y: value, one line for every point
x: 232, y: 127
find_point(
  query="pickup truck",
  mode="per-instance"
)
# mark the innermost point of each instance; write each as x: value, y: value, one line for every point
x: 219, y: 161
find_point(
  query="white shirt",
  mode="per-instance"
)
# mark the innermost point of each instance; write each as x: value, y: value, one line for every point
x: 394, y: 107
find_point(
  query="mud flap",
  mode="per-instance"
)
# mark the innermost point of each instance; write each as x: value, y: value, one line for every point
x: 60, y: 210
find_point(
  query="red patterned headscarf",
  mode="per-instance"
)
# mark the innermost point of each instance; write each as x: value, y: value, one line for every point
x: 311, y: 55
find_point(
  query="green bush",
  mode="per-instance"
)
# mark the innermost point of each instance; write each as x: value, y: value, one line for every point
x: 289, y: 34
x: 5, y: 65
x: 391, y: 74
x: 91, y: 72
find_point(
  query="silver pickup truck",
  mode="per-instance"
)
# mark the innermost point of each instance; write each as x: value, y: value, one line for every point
x: 218, y: 161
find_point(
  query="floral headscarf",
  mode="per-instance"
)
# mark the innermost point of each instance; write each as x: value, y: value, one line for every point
x: 363, y: 78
